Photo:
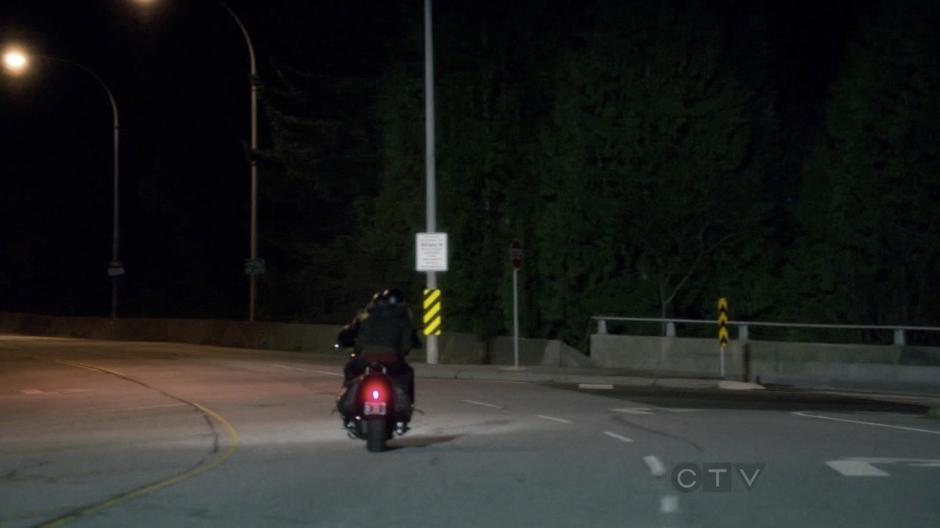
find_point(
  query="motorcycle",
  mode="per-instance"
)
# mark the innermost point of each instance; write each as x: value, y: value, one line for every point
x: 374, y: 408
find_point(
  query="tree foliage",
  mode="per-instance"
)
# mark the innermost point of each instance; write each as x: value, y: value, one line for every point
x: 868, y: 219
x: 650, y: 156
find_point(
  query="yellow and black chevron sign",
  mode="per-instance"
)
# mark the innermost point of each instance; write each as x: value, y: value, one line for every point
x: 432, y: 312
x: 723, y: 322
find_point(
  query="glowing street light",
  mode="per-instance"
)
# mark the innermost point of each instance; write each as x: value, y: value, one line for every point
x: 16, y: 61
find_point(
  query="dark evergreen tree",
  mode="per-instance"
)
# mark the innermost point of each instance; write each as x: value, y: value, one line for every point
x: 870, y: 231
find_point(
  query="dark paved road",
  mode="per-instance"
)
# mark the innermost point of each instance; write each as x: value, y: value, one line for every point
x: 142, y: 434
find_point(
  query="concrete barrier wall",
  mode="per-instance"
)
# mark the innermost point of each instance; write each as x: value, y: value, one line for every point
x: 537, y: 352
x: 666, y: 356
x: 863, y: 367
x: 262, y: 335
x: 454, y: 348
x: 866, y: 367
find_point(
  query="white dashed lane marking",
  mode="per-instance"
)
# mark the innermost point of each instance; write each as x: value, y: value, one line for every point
x: 655, y: 465
x: 482, y: 404
x: 634, y: 410
x: 552, y: 418
x: 37, y: 392
x: 302, y: 369
x: 595, y: 386
x: 650, y: 410
x: 144, y: 407
x: 669, y: 504
x: 618, y: 437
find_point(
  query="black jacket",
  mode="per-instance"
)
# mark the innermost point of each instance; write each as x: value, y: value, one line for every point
x: 385, y: 328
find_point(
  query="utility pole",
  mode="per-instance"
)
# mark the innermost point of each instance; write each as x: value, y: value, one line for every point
x: 430, y: 180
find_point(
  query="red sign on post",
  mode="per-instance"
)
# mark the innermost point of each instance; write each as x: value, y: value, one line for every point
x: 515, y: 253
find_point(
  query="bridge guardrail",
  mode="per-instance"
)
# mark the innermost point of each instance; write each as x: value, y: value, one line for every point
x: 899, y: 331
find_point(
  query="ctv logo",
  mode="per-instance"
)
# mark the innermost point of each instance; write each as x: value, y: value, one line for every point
x: 688, y: 477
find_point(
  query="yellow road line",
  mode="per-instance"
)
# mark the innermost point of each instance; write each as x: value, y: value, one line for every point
x: 150, y: 488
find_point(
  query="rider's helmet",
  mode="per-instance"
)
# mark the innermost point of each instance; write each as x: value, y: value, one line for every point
x: 393, y: 296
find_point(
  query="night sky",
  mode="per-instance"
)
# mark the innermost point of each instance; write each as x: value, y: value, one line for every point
x: 179, y: 73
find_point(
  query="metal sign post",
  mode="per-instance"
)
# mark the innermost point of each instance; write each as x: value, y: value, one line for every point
x: 430, y: 175
x: 515, y: 254
x: 431, y: 257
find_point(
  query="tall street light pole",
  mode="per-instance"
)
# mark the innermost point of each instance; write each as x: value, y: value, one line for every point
x: 253, y: 243
x: 430, y: 174
x: 17, y: 61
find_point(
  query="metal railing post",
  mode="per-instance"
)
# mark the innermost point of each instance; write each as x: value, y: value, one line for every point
x: 899, y: 337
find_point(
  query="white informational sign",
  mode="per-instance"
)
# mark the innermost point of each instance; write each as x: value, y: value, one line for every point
x: 431, y: 251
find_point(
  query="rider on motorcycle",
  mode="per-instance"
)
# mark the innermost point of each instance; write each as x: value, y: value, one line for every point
x: 384, y: 333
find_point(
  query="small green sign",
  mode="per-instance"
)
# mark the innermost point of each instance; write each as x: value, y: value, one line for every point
x: 254, y: 267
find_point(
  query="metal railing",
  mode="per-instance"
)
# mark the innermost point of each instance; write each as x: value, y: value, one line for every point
x: 899, y: 331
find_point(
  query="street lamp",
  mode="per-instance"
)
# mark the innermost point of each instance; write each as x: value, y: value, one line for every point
x: 254, y: 266
x: 17, y: 61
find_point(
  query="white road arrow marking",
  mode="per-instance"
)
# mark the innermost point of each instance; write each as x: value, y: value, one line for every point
x: 865, y: 466
x: 856, y: 468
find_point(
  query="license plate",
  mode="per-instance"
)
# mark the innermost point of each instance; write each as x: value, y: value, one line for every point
x: 374, y: 409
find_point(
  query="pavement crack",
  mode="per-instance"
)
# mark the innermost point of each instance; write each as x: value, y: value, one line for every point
x: 657, y: 432
x: 215, y: 433
x: 214, y: 459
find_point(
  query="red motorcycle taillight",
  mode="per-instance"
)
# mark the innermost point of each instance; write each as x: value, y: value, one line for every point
x: 375, y: 392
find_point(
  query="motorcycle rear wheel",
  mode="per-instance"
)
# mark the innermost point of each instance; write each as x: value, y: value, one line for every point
x: 376, y: 434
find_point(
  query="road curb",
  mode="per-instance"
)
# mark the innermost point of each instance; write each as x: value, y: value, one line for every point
x: 523, y: 376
